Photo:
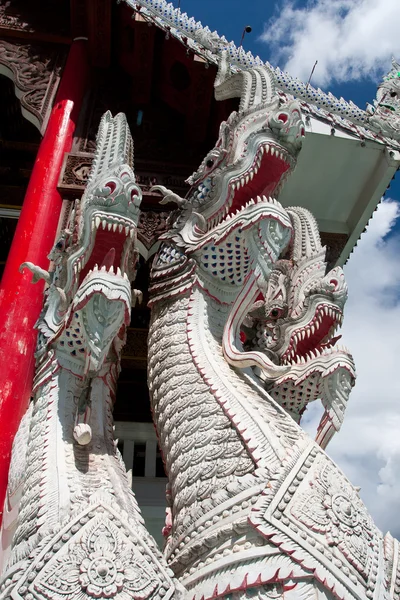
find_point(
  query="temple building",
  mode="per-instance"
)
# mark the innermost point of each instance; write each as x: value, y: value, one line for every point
x: 62, y: 66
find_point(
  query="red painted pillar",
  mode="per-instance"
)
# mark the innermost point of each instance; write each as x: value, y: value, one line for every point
x: 20, y: 300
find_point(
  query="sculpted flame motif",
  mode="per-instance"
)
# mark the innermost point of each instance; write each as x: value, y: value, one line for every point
x: 295, y: 325
x: 243, y: 476
x: 79, y: 532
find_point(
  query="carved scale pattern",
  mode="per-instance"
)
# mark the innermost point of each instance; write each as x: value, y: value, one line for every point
x: 199, y: 464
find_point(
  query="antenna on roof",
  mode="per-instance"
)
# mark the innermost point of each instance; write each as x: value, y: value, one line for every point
x: 311, y: 74
x: 247, y: 29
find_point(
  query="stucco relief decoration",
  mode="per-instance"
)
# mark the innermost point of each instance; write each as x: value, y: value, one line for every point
x: 151, y: 225
x: 312, y: 512
x: 332, y: 507
x: 101, y: 563
x: 35, y: 70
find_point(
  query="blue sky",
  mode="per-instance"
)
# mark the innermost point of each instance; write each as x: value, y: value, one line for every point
x: 353, y: 41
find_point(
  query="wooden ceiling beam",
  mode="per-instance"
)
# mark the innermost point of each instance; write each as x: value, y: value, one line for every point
x: 99, y: 32
x: 199, y: 108
x: 92, y: 19
x: 79, y: 21
x: 143, y: 55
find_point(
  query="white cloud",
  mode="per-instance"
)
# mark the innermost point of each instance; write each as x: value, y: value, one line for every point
x: 351, y: 39
x: 368, y: 446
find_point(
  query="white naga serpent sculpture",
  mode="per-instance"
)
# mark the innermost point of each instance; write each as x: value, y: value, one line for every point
x: 79, y: 532
x: 257, y: 509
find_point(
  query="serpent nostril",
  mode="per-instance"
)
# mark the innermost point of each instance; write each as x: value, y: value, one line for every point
x: 334, y: 283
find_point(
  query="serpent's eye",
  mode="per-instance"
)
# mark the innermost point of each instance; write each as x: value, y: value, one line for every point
x: 210, y: 163
x: 275, y: 313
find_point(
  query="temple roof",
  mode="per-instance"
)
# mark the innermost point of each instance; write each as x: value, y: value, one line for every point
x: 346, y: 163
x: 209, y: 44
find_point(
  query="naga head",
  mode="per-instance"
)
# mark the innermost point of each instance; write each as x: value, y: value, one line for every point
x: 229, y: 231
x: 295, y: 324
x: 256, y: 149
x: 388, y: 94
x: 385, y: 113
x: 89, y: 298
x: 235, y: 183
x: 303, y: 306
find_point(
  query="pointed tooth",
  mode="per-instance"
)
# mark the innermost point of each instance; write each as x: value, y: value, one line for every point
x: 119, y: 271
x: 120, y: 226
x: 263, y: 149
x: 96, y: 267
x: 103, y: 269
x: 132, y: 232
x: 127, y: 231
x: 109, y: 226
x: 272, y: 150
x: 93, y: 225
x: 98, y: 222
x: 247, y: 179
x: 126, y: 276
x: 104, y: 223
x: 242, y: 181
x: 312, y: 329
x: 114, y: 226
x: 79, y: 266
x: 251, y: 174
x: 111, y: 270
x: 303, y: 334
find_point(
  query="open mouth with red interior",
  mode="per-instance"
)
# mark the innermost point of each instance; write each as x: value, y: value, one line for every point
x: 316, y: 337
x: 270, y: 164
x: 109, y: 252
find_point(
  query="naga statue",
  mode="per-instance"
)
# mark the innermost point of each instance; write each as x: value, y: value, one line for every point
x: 385, y: 113
x: 256, y: 507
x: 295, y: 325
x: 79, y: 532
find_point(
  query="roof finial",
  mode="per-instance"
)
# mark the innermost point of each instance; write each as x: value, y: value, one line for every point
x: 247, y: 29
x: 311, y: 74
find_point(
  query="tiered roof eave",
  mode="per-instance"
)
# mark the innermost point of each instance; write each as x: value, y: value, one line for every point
x: 208, y: 44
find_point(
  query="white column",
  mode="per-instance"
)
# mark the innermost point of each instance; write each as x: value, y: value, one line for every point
x: 129, y: 446
x: 150, y: 462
